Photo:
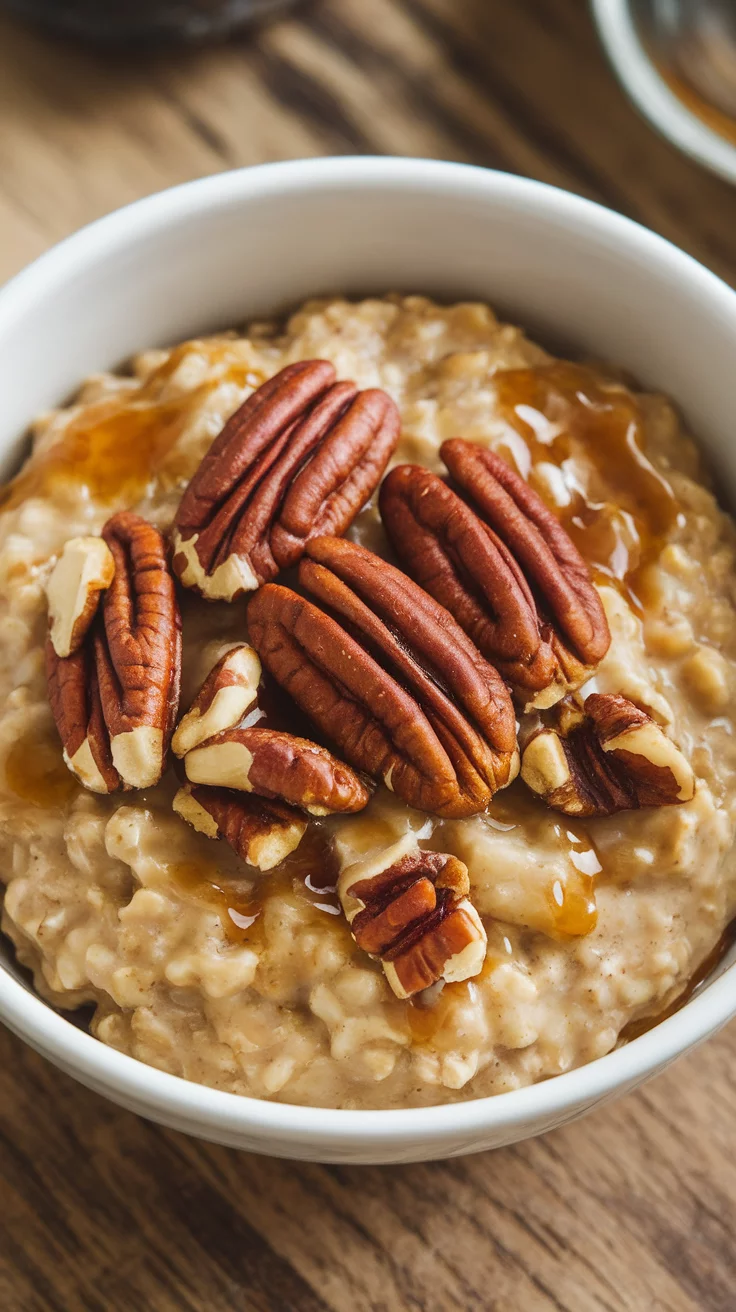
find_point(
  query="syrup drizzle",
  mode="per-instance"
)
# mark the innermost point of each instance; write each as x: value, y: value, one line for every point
x: 572, y: 905
x: 309, y: 873
x: 563, y: 417
x: 238, y: 905
x: 36, y: 773
x: 426, y: 1023
x: 121, y: 448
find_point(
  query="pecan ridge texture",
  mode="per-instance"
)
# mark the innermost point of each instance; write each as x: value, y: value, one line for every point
x: 388, y: 676
x: 260, y: 832
x: 410, y: 908
x: 302, y: 455
x: 115, y: 698
x: 228, y: 739
x: 74, y: 697
x: 278, y: 765
x: 502, y: 563
x: 228, y: 692
x: 138, y: 650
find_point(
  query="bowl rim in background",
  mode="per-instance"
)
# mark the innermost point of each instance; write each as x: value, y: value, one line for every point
x: 650, y: 93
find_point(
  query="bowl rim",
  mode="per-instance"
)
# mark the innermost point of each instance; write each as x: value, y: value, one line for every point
x: 651, y: 94
x: 200, y: 1108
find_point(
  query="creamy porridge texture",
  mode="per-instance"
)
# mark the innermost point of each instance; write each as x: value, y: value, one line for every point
x: 247, y: 981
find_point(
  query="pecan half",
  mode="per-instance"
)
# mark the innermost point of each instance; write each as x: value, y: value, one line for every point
x: 417, y: 640
x: 410, y: 908
x: 276, y: 764
x: 83, y: 570
x: 230, y: 689
x: 262, y: 833
x: 74, y: 696
x: 327, y: 495
x: 441, y: 751
x: 481, y: 569
x: 467, y: 568
x: 138, y: 651
x: 547, y: 555
x: 612, y: 757
x: 303, y: 452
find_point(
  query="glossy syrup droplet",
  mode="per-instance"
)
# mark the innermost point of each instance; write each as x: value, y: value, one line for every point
x: 312, y: 871
x: 238, y: 904
x: 429, y: 1018
x: 572, y: 902
x: 569, y: 902
x: 36, y: 773
x: 309, y: 873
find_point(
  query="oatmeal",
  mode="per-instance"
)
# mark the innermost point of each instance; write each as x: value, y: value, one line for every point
x: 581, y: 919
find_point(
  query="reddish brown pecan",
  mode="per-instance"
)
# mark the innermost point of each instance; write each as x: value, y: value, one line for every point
x: 115, y: 698
x: 549, y: 559
x: 610, y: 756
x: 410, y: 908
x: 441, y: 751
x: 74, y: 696
x: 468, y: 569
x: 481, y: 569
x: 278, y: 765
x: 422, y: 644
x: 327, y: 495
x: 138, y: 651
x: 261, y: 832
x: 302, y: 451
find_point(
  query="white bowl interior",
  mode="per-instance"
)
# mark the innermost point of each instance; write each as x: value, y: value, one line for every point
x: 213, y: 253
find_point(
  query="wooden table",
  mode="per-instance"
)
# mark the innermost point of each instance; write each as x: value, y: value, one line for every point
x: 633, y: 1208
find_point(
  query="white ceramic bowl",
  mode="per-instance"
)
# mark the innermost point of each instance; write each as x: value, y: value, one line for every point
x: 212, y: 253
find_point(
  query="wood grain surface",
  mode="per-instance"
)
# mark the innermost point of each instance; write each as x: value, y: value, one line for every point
x: 633, y: 1208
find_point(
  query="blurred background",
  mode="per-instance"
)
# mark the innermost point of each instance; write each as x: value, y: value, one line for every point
x: 521, y: 85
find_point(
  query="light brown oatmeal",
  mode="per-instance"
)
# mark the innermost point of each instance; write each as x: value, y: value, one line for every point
x: 205, y: 967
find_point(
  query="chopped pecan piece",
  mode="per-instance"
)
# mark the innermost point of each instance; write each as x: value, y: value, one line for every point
x: 74, y: 696
x: 613, y: 757
x: 279, y: 765
x: 411, y: 909
x: 262, y: 833
x: 82, y: 572
x: 303, y: 452
x: 481, y: 569
x: 441, y: 751
x: 230, y: 689
x: 138, y: 651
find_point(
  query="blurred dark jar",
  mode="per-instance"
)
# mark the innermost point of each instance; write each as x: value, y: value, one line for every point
x: 116, y: 22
